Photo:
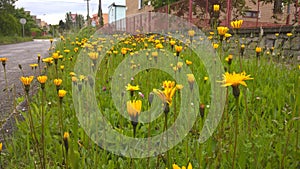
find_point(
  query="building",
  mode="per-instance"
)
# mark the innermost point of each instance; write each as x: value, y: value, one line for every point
x: 137, y: 6
x: 95, y: 19
x: 258, y: 14
x: 117, y: 15
x: 116, y: 12
x: 264, y: 16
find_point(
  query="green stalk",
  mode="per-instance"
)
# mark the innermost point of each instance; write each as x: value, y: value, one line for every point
x: 200, y: 157
x: 32, y: 130
x: 297, y: 109
x: 165, y: 129
x: 43, y: 130
x: 6, y: 82
x: 61, y: 126
x: 236, y: 130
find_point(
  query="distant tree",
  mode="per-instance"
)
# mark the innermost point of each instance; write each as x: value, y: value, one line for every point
x: 277, y: 7
x: 79, y: 21
x: 7, y: 5
x: 100, y: 14
x: 9, y: 25
x: 69, y: 21
x: 61, y: 26
x: 30, y: 23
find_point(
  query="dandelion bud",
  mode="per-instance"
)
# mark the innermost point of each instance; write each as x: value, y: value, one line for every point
x: 150, y: 98
x: 242, y: 49
x: 91, y: 81
x: 178, y: 50
x: 236, y: 91
x: 79, y: 86
x: 205, y: 79
x: 191, y: 80
x: 229, y: 59
x: 66, y: 141
x: 258, y: 51
x: 202, y: 109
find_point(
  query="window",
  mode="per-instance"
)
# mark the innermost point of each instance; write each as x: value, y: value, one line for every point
x: 140, y: 4
x: 251, y: 14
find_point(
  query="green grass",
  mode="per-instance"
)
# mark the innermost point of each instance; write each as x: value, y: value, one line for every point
x: 268, y: 120
x: 16, y: 39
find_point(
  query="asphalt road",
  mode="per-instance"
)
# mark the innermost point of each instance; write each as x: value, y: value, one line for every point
x: 24, y: 54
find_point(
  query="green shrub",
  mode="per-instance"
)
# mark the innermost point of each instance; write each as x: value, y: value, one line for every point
x: 9, y: 25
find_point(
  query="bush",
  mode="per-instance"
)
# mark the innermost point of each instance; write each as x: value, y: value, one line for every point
x: 9, y: 25
x: 35, y: 31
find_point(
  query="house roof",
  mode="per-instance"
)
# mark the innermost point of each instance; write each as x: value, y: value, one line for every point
x: 114, y: 5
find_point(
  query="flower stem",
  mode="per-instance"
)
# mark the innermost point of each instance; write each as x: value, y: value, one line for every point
x: 61, y: 126
x: 32, y: 130
x: 43, y: 130
x: 167, y: 138
x: 236, y: 130
x: 6, y: 82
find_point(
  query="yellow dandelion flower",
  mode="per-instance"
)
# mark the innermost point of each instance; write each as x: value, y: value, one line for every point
x: 34, y: 65
x: 134, y: 107
x: 188, y: 62
x: 42, y: 79
x: 167, y: 94
x: 93, y: 55
x: 55, y: 55
x: 172, y: 42
x: 129, y: 87
x: 4, y: 59
x: 191, y: 33
x: 57, y: 82
x: 61, y: 93
x: 216, y: 8
x: 258, y: 49
x: 26, y: 80
x: 215, y: 45
x: 178, y: 49
x: 235, y: 79
x: 237, y: 24
x: 222, y: 30
x: 72, y: 74
x: 67, y: 51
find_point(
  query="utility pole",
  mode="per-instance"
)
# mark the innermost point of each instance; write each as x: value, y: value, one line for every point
x: 257, y: 13
x: 228, y: 10
x: 288, y: 13
x: 88, y: 11
x: 190, y: 10
x: 100, y: 14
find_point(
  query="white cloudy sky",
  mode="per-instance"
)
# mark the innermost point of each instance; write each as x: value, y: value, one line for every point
x: 52, y: 11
